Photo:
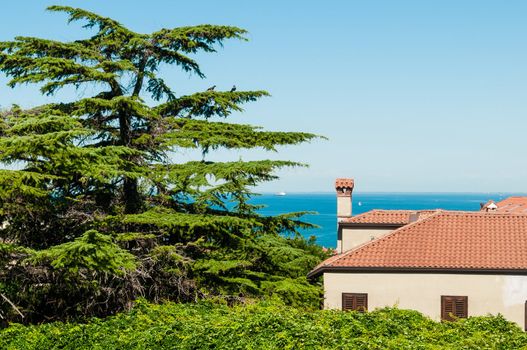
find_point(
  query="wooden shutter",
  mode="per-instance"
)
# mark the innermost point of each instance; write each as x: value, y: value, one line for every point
x: 361, y: 303
x: 453, y: 307
x: 347, y: 301
x: 447, y: 308
x: 355, y: 302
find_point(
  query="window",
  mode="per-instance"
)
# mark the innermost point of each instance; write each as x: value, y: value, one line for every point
x: 355, y: 302
x: 453, y: 307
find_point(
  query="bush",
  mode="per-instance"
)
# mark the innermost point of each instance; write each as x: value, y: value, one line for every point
x: 265, y: 325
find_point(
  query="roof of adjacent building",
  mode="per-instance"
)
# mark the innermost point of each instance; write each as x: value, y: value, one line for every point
x: 513, y: 205
x: 447, y: 240
x: 389, y: 217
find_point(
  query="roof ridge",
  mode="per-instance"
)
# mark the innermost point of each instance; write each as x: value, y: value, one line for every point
x: 404, y: 210
x: 357, y: 216
x: 376, y: 211
x: 484, y: 213
x: 399, y: 210
x: 397, y: 217
x: 367, y: 217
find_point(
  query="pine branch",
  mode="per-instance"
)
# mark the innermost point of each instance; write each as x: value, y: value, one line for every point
x: 208, y: 136
x: 209, y: 103
x: 196, y: 38
x: 104, y: 24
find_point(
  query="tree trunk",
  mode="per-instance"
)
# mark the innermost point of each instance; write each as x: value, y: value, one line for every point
x: 131, y: 196
x: 132, y: 199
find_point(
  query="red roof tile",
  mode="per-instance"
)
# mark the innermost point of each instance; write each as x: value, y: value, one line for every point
x: 389, y: 217
x: 445, y: 240
x: 513, y: 205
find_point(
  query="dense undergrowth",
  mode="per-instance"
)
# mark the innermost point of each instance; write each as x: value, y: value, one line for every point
x: 265, y: 326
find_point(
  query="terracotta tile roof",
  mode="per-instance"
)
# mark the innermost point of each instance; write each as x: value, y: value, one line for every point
x: 513, y: 205
x: 389, y: 217
x: 445, y: 240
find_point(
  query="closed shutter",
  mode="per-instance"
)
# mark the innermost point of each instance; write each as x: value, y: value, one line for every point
x: 361, y: 302
x: 454, y: 307
x: 347, y: 301
x: 447, y: 308
x: 355, y: 302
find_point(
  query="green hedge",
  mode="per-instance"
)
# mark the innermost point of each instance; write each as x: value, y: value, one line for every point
x: 265, y: 326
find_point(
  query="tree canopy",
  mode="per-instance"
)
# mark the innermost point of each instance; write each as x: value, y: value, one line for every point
x: 100, y: 212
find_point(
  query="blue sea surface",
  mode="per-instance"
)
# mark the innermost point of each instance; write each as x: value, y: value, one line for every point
x: 325, y: 204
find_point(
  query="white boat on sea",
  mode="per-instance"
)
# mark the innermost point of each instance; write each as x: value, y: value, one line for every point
x: 280, y: 193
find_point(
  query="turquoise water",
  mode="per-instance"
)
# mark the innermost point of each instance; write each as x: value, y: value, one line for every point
x: 325, y: 205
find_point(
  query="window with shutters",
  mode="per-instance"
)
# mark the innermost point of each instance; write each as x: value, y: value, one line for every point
x: 453, y: 307
x: 355, y: 302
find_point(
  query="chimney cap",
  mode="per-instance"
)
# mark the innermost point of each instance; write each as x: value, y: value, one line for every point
x: 344, y: 183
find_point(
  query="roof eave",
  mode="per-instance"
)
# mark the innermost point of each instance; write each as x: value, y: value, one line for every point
x: 370, y: 224
x: 482, y: 271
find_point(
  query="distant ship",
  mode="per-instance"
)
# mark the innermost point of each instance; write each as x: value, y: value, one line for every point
x: 280, y: 193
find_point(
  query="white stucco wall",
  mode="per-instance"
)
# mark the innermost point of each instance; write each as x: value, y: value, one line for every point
x: 505, y: 294
x: 353, y: 236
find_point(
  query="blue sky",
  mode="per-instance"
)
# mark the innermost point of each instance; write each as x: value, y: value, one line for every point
x: 413, y: 95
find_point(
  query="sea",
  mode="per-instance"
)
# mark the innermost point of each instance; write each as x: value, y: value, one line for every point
x: 324, y: 206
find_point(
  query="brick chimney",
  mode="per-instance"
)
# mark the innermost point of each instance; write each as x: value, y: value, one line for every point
x: 344, y: 188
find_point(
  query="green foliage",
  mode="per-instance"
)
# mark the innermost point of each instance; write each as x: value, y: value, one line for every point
x: 92, y: 251
x: 101, y: 212
x: 265, y: 326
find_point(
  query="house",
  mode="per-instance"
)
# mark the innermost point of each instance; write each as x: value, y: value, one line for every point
x: 516, y: 205
x: 445, y: 264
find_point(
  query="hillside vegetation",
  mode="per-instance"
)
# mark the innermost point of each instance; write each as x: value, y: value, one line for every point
x: 265, y: 326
